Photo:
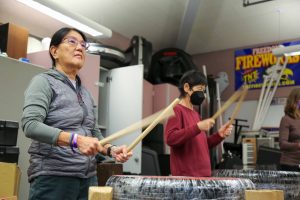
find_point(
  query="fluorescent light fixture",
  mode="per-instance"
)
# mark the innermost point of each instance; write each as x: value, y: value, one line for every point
x: 74, y: 20
x: 293, y: 50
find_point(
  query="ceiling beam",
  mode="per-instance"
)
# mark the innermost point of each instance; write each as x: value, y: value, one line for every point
x: 187, y: 23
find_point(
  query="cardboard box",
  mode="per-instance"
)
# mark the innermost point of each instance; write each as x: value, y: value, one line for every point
x: 9, y: 198
x: 264, y: 194
x: 13, y: 40
x: 9, y: 179
x: 103, y: 193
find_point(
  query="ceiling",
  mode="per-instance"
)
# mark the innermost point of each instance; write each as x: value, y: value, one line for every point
x: 197, y: 26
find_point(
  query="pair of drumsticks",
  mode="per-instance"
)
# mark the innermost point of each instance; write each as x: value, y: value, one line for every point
x: 157, y: 117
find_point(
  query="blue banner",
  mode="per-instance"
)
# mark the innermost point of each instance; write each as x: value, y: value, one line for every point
x: 252, y: 64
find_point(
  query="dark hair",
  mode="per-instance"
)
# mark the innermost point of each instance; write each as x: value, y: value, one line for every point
x: 292, y: 103
x: 59, y: 35
x: 193, y: 78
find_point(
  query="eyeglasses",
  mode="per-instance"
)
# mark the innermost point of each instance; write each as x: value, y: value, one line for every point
x: 74, y: 42
x: 199, y: 88
x: 204, y: 91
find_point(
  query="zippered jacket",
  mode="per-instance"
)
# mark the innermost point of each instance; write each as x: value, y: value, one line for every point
x: 53, y: 104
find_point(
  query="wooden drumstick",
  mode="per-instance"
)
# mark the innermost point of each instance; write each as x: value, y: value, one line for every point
x: 238, y: 105
x: 141, y: 124
x: 153, y: 124
x: 228, y: 103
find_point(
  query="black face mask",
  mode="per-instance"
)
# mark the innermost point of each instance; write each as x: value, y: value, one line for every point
x: 197, y: 98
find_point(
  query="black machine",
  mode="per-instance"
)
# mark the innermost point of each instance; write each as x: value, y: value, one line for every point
x: 168, y: 65
x: 8, y: 141
x: 140, y: 52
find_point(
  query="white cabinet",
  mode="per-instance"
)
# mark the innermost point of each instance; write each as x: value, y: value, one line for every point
x: 120, y: 105
x: 103, y: 100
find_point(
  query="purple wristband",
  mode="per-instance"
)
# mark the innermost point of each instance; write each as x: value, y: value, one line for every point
x: 75, y: 141
x: 71, y: 140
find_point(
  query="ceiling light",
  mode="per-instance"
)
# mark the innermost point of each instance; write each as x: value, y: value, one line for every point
x: 74, y: 20
x: 293, y: 50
